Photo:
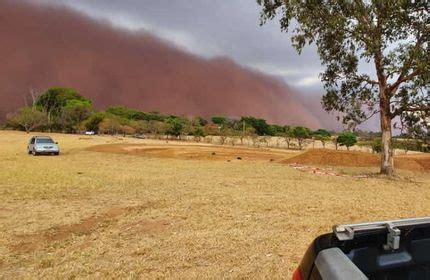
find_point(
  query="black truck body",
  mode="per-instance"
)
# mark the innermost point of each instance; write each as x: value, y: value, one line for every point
x: 386, y: 250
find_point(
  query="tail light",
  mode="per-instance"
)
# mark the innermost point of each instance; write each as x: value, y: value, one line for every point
x: 297, y: 275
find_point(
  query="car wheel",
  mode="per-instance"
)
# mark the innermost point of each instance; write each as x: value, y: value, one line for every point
x: 34, y: 153
x: 57, y: 153
x: 29, y: 151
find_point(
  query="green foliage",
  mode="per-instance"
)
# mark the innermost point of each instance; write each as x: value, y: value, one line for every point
x: 276, y: 130
x: 301, y: 132
x: 74, y: 113
x: 288, y: 131
x: 136, y: 115
x: 219, y: 120
x: 377, y: 145
x: 260, y: 125
x: 199, y: 132
x: 408, y: 144
x: 199, y: 121
x: 54, y: 99
x: 154, y: 116
x: 123, y: 112
x: 175, y: 126
x: 347, y: 139
x: 367, y: 135
x: 322, y: 133
x: 92, y: 123
x: 65, y: 108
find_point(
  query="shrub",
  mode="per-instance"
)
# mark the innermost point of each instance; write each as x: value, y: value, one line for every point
x: 301, y: 133
x: 377, y: 145
x: 347, y: 139
x: 27, y: 119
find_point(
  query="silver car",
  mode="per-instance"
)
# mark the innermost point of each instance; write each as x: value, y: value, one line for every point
x: 42, y: 145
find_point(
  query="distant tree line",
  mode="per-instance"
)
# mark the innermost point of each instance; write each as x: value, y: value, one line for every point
x: 65, y: 110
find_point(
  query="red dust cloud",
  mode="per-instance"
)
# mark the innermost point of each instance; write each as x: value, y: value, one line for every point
x: 45, y: 46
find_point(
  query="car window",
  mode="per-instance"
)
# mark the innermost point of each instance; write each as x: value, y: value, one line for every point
x: 44, y: 141
x: 32, y: 141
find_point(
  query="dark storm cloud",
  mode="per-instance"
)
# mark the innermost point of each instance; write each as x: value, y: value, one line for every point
x: 214, y: 28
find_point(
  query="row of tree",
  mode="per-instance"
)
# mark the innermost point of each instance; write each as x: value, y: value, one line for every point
x: 65, y: 110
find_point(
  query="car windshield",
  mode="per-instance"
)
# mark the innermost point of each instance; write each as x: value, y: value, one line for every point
x: 44, y: 141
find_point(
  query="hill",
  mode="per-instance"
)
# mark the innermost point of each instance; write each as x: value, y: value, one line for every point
x: 55, y: 46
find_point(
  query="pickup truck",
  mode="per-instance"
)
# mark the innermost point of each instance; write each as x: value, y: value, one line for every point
x: 398, y: 249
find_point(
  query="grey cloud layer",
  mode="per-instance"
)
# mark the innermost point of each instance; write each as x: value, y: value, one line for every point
x: 214, y: 28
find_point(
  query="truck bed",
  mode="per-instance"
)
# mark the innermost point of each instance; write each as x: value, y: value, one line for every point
x: 381, y: 250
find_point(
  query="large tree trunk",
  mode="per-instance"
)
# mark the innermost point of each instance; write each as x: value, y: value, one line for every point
x: 387, y: 159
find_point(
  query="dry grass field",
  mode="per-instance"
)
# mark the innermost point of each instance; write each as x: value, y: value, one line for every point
x: 191, y: 212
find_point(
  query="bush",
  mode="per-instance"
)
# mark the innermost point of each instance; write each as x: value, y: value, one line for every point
x: 347, y: 139
x: 93, y: 122
x: 377, y: 145
x: 110, y: 126
x: 27, y: 119
x: 301, y: 133
x: 175, y: 126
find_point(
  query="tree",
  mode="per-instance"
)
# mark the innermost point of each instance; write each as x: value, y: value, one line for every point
x: 276, y: 130
x: 335, y: 143
x: 110, y: 126
x: 347, y: 139
x: 158, y: 128
x: 28, y: 119
x: 124, y: 112
x: 260, y: 125
x: 245, y: 132
x: 198, y: 133
x: 393, y: 36
x: 301, y: 133
x: 92, y: 123
x: 74, y: 113
x: 322, y: 138
x: 53, y: 101
x: 127, y: 130
x: 199, y: 121
x: 288, y: 135
x: 224, y: 134
x: 376, y: 145
x: 322, y: 135
x: 219, y: 120
x: 416, y: 125
x: 175, y: 126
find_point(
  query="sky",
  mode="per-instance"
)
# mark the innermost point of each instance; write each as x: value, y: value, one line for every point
x: 211, y: 28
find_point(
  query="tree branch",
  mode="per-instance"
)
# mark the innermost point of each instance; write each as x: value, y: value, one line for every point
x: 371, y: 115
x: 402, y: 79
x: 417, y: 109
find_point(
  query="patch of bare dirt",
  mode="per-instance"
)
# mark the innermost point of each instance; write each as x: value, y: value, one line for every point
x: 194, y: 151
x: 321, y: 157
x: 325, y: 157
x: 31, y: 242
